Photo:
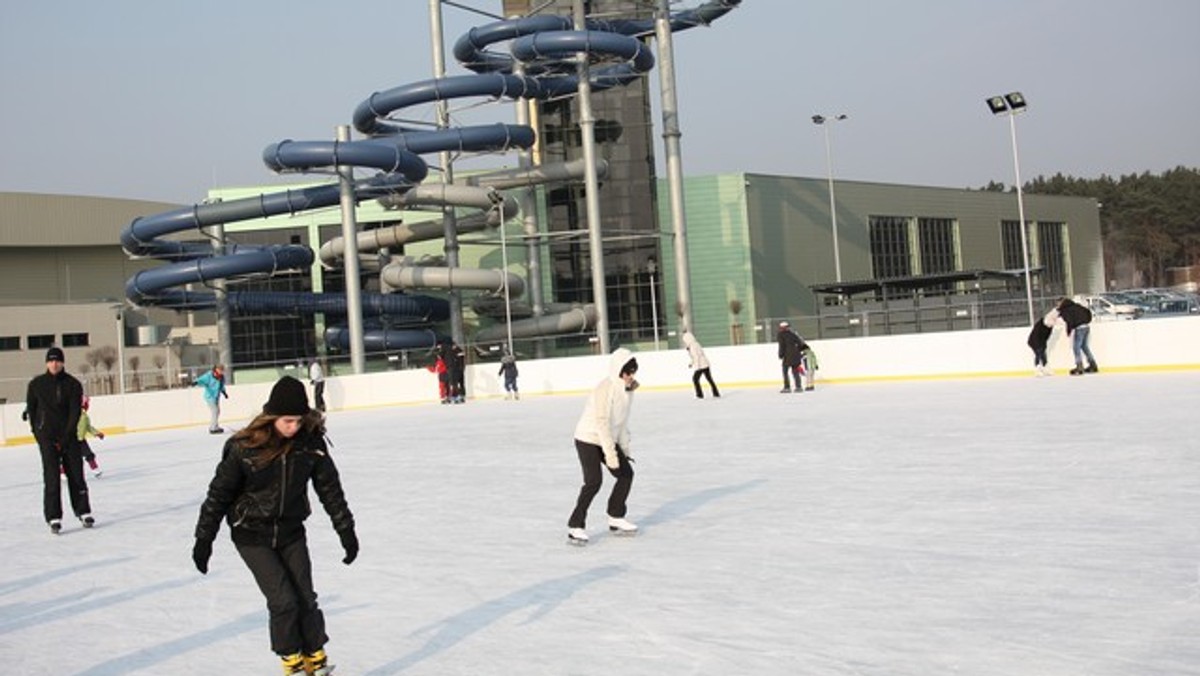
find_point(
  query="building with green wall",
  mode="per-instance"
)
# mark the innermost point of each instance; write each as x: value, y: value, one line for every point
x: 765, y: 241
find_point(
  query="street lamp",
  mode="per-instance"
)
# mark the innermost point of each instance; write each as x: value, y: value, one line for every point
x: 1010, y: 104
x: 824, y: 123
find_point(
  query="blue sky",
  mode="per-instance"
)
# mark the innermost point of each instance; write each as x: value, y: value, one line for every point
x: 162, y: 101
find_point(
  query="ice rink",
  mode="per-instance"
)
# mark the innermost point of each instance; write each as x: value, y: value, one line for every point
x: 981, y: 527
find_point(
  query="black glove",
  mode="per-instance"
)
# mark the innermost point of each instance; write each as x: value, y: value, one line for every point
x: 350, y: 544
x: 25, y: 414
x: 201, y: 553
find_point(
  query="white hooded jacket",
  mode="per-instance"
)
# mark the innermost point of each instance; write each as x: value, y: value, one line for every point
x: 696, y: 358
x: 606, y: 414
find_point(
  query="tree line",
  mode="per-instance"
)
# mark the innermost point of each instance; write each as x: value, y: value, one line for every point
x: 1151, y: 220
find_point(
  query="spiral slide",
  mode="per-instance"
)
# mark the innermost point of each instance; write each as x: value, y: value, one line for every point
x: 545, y: 47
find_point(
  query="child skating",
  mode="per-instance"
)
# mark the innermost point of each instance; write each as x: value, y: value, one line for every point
x: 85, y: 428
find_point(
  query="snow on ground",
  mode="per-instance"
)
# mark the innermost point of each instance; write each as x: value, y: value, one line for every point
x: 991, y: 526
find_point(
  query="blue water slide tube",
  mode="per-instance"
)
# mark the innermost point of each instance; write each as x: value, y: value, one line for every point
x: 545, y: 46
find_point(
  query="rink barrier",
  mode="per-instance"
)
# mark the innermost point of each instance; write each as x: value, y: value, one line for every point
x: 1144, y: 345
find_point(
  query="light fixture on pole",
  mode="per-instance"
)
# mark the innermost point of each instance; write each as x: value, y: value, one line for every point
x: 1010, y: 104
x: 824, y: 123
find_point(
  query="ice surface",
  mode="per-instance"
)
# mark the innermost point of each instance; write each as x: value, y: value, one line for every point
x: 992, y: 526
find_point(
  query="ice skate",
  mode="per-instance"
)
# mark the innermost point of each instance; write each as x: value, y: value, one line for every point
x: 87, y: 520
x: 786, y: 390
x: 55, y: 526
x: 216, y: 430
x: 1077, y: 371
x: 317, y: 664
x: 620, y: 526
x: 293, y: 664
x: 1092, y: 368
x: 577, y: 536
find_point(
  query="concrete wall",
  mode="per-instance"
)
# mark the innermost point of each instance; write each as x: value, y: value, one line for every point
x: 1142, y: 345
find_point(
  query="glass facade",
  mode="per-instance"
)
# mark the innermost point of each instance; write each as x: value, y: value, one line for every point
x: 1052, y: 256
x: 936, y: 239
x: 628, y: 201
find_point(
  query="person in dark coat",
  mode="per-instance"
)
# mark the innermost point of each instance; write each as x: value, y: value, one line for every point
x: 456, y: 368
x: 791, y: 354
x: 508, y: 369
x: 1039, y: 340
x: 261, y: 489
x: 1078, y: 320
x: 53, y: 403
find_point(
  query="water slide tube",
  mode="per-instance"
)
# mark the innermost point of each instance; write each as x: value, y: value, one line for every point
x: 546, y: 46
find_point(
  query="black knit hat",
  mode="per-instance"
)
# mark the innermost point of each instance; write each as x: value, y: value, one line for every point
x: 55, y: 354
x: 288, y: 397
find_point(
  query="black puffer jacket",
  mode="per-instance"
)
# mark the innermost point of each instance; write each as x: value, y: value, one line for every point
x: 1073, y: 314
x: 268, y: 506
x: 53, y: 403
x: 791, y: 347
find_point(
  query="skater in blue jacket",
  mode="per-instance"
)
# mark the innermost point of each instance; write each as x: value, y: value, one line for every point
x: 213, y: 383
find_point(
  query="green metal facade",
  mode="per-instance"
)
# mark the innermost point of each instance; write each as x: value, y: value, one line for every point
x: 764, y: 240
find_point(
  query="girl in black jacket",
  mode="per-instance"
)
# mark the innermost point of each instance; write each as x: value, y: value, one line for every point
x: 261, y: 489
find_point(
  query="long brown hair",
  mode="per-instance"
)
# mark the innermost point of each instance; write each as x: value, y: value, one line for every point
x: 262, y: 436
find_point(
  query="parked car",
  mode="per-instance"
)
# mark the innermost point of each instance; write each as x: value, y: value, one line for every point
x: 1106, y: 309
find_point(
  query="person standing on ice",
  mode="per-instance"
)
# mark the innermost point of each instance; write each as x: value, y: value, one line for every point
x: 602, y: 439
x: 698, y: 362
x: 53, y: 402
x: 791, y: 356
x: 508, y: 369
x: 261, y: 489
x: 213, y: 383
x: 1078, y: 320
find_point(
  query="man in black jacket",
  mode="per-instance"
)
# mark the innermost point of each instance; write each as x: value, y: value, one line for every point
x: 1079, y: 326
x: 53, y: 402
x: 791, y: 354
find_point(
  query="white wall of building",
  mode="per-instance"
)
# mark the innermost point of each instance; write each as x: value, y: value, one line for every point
x: 1141, y: 345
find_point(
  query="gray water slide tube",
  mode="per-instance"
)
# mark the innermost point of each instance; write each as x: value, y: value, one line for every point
x: 547, y: 45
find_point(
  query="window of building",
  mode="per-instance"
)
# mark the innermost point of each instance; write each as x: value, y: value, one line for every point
x: 40, y: 341
x: 1014, y: 258
x: 10, y: 343
x: 75, y: 340
x: 891, y: 253
x: 1052, y: 256
x: 938, y: 250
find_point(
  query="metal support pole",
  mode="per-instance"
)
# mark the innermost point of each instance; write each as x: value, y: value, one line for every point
x: 450, y: 232
x: 499, y: 199
x: 1012, y: 124
x: 121, y: 347
x: 224, y: 332
x: 358, y: 362
x: 671, y: 135
x: 837, y: 257
x: 587, y: 124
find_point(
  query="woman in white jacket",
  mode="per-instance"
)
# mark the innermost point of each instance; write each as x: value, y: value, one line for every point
x: 699, y: 364
x: 602, y: 438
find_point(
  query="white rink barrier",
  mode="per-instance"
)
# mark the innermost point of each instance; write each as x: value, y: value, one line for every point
x: 1166, y: 344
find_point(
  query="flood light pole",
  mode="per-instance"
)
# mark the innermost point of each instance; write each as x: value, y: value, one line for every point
x: 1010, y: 104
x: 824, y: 122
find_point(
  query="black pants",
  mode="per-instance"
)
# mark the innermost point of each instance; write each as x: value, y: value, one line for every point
x: 591, y: 459
x: 284, y: 577
x: 1039, y: 356
x: 707, y: 373
x: 56, y: 460
x: 795, y: 371
x: 319, y: 395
